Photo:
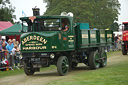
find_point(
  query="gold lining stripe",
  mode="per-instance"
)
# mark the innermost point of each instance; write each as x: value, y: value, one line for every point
x: 70, y: 36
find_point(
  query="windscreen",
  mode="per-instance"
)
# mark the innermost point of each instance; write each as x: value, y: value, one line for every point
x: 125, y: 26
x: 42, y: 25
x: 47, y: 25
x: 27, y: 24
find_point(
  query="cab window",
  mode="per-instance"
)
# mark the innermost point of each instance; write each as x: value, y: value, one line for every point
x: 27, y: 26
x: 65, y: 24
x: 125, y: 26
x: 47, y: 25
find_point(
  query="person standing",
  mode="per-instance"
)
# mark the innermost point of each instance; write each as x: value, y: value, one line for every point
x: 4, y: 50
x: 119, y: 42
x: 15, y: 54
x: 115, y: 42
x: 9, y: 48
x: 3, y: 47
x: 0, y: 42
x: 3, y: 39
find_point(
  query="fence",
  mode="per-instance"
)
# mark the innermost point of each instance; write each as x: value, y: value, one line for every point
x: 7, y: 61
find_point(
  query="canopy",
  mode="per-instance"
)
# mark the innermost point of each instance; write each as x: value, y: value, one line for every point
x: 5, y: 25
x: 13, y: 30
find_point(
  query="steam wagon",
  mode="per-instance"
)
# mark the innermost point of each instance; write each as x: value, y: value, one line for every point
x: 125, y: 38
x: 57, y: 40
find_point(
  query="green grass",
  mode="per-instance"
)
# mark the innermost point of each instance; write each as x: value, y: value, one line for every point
x: 112, y: 53
x: 10, y: 73
x: 115, y: 74
x: 21, y: 71
x: 16, y: 72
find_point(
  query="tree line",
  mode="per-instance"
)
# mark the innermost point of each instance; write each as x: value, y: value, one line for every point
x: 6, y: 11
x: 99, y: 14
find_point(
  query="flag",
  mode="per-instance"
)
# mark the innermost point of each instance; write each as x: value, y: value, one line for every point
x: 23, y: 14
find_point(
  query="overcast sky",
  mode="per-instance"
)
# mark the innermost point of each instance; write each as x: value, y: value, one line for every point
x: 27, y: 5
x: 123, y: 17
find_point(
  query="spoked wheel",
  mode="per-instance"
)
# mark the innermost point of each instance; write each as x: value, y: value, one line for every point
x: 124, y: 51
x: 62, y: 65
x: 103, y: 59
x: 28, y: 71
x: 94, y: 60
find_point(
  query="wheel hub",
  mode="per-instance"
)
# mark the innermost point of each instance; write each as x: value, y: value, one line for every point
x: 66, y: 65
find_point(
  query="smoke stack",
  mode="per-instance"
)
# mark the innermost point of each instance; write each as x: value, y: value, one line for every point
x: 36, y: 11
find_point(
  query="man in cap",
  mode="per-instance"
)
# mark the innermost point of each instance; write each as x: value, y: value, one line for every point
x: 3, y: 39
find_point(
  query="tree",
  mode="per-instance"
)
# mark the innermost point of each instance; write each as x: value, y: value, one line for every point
x: 115, y: 26
x: 98, y: 13
x: 6, y: 11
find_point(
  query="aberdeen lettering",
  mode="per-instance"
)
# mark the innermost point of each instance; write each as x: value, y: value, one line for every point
x: 34, y: 37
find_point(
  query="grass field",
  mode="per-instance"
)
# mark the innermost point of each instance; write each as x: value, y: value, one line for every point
x: 21, y: 71
x: 114, y: 74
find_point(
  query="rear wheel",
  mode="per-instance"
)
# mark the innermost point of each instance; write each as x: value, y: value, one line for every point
x: 94, y: 60
x: 62, y: 65
x: 124, y: 51
x: 103, y: 59
x: 28, y: 71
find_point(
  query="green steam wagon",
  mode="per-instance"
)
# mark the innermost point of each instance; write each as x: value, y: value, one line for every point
x: 56, y: 40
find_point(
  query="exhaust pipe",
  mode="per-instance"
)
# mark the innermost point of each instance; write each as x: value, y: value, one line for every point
x: 36, y: 11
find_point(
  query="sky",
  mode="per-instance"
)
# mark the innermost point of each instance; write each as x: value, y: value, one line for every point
x: 123, y: 17
x: 27, y: 5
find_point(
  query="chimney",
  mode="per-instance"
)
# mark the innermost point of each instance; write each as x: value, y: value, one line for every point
x: 36, y: 11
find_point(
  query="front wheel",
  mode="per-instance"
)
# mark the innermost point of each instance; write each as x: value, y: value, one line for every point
x: 62, y: 65
x: 28, y: 71
x: 124, y: 51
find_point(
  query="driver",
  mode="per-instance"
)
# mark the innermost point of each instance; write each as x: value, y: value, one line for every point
x: 64, y: 26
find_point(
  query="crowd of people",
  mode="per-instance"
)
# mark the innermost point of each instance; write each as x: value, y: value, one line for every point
x: 117, y: 44
x: 10, y: 51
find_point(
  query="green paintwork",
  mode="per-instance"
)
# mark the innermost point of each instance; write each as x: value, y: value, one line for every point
x: 55, y: 41
x: 51, y: 43
x: 85, y: 40
x: 93, y: 38
x: 83, y: 25
x: 102, y: 36
x: 109, y: 36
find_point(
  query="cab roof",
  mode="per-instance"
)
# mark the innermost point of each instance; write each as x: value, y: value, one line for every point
x: 45, y: 17
x: 125, y: 22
